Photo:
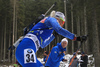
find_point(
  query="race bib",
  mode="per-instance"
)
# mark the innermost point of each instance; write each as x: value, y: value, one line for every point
x: 34, y: 39
x: 29, y: 56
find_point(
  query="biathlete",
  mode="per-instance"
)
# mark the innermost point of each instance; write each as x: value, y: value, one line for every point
x: 40, y: 36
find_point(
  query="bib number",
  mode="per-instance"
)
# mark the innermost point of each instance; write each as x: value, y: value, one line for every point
x: 29, y: 56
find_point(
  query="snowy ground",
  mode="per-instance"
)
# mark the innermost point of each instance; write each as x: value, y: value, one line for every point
x: 65, y: 64
x: 68, y: 56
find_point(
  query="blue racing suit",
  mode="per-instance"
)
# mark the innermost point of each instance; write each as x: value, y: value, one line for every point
x: 39, y: 36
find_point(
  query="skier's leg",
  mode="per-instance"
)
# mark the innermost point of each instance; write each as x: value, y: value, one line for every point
x: 25, y: 54
x: 27, y: 58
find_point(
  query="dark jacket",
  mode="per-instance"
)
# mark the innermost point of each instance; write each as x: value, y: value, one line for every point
x: 85, y: 61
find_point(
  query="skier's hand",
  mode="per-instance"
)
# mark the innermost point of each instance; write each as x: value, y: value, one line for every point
x: 64, y: 52
x: 81, y: 38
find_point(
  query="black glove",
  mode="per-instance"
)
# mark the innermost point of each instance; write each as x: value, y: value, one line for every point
x: 81, y: 38
x: 11, y: 47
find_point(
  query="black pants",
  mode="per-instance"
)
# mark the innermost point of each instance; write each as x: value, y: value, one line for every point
x: 85, y: 65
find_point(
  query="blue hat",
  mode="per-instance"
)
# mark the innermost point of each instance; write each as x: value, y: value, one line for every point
x: 74, y: 53
x: 82, y: 53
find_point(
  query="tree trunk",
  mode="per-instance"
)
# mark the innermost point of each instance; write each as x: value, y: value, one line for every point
x: 4, y: 41
x: 9, y: 59
x: 9, y: 55
x: 15, y: 30
x: 85, y: 28
x: 78, y: 28
x: 72, y: 26
x: 14, y: 7
x: 95, y: 40
x: 66, y: 21
x: 82, y: 28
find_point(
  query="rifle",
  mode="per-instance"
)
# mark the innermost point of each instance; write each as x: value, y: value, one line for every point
x: 26, y: 30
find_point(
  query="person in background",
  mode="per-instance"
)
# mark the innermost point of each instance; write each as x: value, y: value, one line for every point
x: 45, y: 56
x: 75, y: 61
x: 57, y: 54
x: 84, y: 57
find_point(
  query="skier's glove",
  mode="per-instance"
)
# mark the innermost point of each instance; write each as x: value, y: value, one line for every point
x: 11, y: 47
x: 80, y: 38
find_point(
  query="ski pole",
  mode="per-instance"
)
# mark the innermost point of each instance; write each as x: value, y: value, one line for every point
x: 84, y: 39
x: 76, y: 53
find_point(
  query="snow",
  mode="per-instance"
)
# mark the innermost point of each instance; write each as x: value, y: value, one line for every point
x: 65, y: 64
x: 68, y: 56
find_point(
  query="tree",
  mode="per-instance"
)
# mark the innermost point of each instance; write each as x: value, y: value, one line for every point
x: 96, y: 51
x: 85, y: 27
x: 72, y: 26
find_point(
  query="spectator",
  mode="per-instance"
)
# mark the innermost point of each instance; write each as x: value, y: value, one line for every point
x: 57, y: 54
x: 84, y: 57
x: 75, y: 61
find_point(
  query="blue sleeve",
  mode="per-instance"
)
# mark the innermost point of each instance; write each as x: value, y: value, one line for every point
x: 48, y: 41
x: 56, y: 56
x: 53, y: 23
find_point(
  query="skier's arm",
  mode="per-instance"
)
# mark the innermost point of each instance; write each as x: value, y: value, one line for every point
x: 53, y: 22
x: 56, y: 56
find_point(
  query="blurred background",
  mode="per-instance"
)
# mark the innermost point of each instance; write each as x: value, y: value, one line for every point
x: 82, y: 18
